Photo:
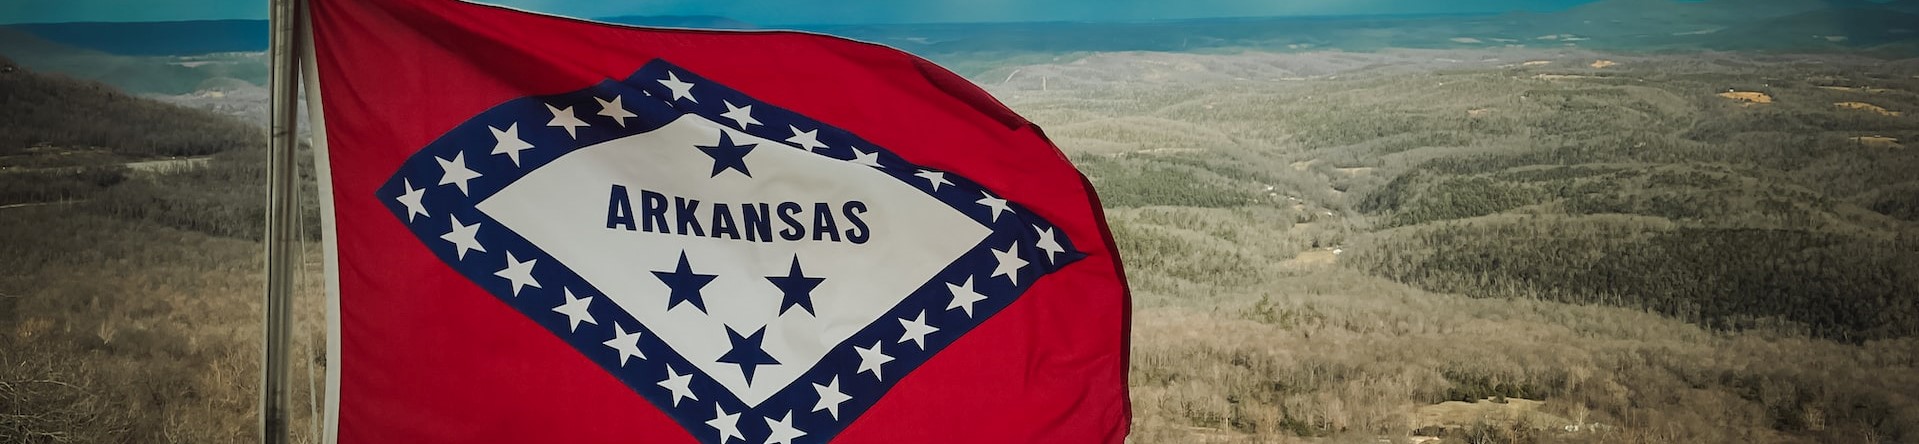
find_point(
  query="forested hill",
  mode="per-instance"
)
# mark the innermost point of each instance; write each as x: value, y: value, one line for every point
x: 98, y: 149
x: 156, y: 38
x: 1736, y: 191
x: 44, y: 117
x: 1727, y: 197
x: 139, y: 75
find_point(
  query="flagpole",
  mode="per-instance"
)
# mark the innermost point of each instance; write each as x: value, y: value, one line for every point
x: 281, y: 238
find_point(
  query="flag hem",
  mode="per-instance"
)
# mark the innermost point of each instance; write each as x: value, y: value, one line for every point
x: 329, y: 230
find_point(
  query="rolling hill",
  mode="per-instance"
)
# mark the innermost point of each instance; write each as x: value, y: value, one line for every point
x: 155, y: 38
x: 1863, y: 26
x: 1272, y: 207
x: 51, y: 112
x: 680, y: 21
x: 135, y: 74
x: 1787, y: 25
x: 1533, y: 174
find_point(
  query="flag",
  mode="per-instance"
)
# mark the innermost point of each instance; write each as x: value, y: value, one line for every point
x: 555, y: 230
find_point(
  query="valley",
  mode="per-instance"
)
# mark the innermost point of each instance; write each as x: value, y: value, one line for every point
x: 1616, y: 246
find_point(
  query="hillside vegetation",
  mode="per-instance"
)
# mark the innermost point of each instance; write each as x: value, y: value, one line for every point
x: 39, y: 111
x: 129, y: 311
x: 1369, y: 239
x: 66, y: 140
x: 1634, y: 185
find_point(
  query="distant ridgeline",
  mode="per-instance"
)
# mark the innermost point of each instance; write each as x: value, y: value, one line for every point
x: 133, y: 74
x: 216, y: 36
x: 156, y: 38
x: 197, y: 37
x: 1623, y: 25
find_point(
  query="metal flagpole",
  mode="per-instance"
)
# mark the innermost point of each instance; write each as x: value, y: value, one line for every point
x: 281, y: 238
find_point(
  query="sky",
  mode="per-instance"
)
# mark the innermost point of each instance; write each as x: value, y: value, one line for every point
x: 782, y: 12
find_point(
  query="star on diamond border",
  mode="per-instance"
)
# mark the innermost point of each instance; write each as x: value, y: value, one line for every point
x: 436, y: 190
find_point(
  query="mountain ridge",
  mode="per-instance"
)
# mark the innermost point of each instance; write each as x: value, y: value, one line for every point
x: 680, y: 21
x: 1605, y: 18
x: 1881, y: 29
x: 156, y: 38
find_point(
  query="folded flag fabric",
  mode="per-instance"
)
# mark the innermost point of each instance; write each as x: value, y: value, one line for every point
x: 555, y: 230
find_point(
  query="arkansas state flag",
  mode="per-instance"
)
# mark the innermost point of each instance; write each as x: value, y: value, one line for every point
x: 558, y: 231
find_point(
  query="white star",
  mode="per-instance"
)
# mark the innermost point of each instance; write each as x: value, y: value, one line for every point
x: 681, y: 90
x: 1050, y: 242
x: 871, y: 359
x: 964, y: 296
x: 412, y: 200
x: 628, y: 346
x: 1009, y: 263
x: 507, y: 141
x: 783, y: 431
x: 741, y: 115
x: 933, y: 177
x: 463, y: 237
x: 575, y: 311
x: 564, y: 118
x: 680, y: 385
x: 998, y: 205
x: 830, y: 397
x: 613, y: 109
x: 727, y: 423
x: 916, y: 330
x: 520, y: 273
x: 865, y: 158
x: 454, y: 172
x: 807, y: 140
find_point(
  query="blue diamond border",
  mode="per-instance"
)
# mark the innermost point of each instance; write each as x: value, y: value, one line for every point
x: 654, y: 106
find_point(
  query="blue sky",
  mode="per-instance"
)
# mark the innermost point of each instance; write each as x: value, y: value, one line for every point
x: 809, y: 11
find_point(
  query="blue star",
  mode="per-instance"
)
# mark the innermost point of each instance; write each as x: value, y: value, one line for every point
x: 798, y: 289
x: 747, y: 351
x: 727, y: 155
x: 685, y: 284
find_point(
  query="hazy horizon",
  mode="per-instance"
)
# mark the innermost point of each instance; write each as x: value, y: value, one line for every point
x: 817, y: 12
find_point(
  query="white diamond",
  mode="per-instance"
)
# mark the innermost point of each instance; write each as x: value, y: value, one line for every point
x: 909, y: 237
